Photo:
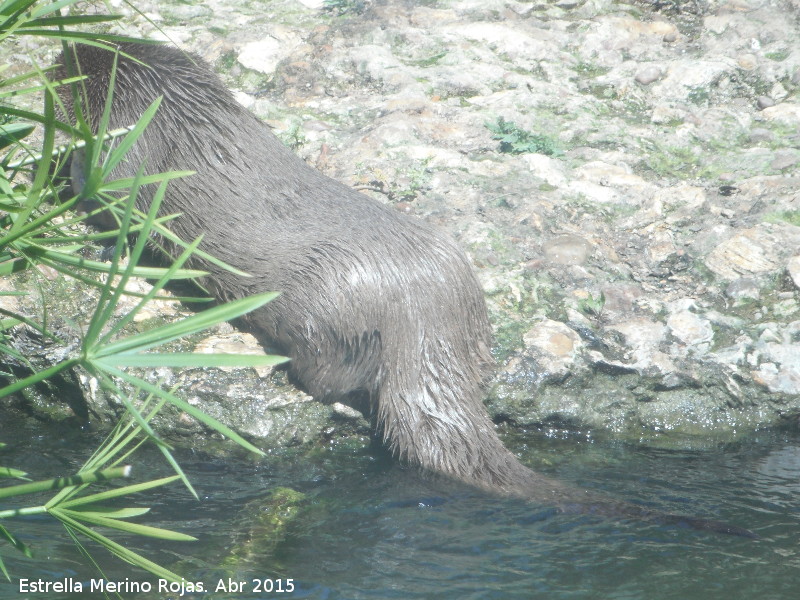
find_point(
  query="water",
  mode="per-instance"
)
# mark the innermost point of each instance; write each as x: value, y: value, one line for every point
x: 369, y: 529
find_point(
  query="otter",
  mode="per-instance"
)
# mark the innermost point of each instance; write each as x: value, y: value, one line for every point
x: 374, y: 304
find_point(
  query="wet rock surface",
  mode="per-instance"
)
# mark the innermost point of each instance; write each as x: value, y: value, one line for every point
x: 624, y: 176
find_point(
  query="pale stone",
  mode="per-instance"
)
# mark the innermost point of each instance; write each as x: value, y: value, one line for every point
x: 507, y: 40
x: 780, y: 369
x: 661, y: 246
x: 663, y: 114
x: 613, y: 33
x: 784, y: 159
x: 717, y: 23
x: 684, y: 196
x: 378, y: 64
x: 312, y: 4
x: 567, y: 250
x: 555, y: 345
x: 546, y: 168
x: 747, y: 253
x: 609, y: 175
x: 642, y: 338
x: 793, y: 268
x: 747, y: 62
x: 244, y: 99
x: 233, y: 343
x: 264, y: 55
x: 785, y: 113
x: 640, y: 334
x: 691, y: 329
x: 744, y: 288
x: 685, y: 77
x: 595, y: 192
x: 648, y: 75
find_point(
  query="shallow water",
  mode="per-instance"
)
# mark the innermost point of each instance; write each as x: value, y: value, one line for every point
x: 370, y: 529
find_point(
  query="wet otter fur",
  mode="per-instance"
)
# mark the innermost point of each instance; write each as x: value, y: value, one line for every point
x: 373, y: 303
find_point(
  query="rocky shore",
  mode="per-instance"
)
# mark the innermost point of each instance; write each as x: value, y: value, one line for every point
x: 625, y: 177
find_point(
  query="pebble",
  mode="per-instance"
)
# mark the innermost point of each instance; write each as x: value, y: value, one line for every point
x: 765, y: 102
x: 648, y: 75
x: 748, y: 62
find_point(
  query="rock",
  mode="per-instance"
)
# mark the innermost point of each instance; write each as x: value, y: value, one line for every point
x: 684, y: 196
x: 8, y: 301
x: 717, y: 24
x: 641, y: 335
x: 785, y: 112
x: 233, y: 343
x: 747, y: 62
x: 759, y: 135
x: 686, y: 78
x: 607, y: 175
x: 186, y: 12
x: 567, y: 250
x: 648, y: 75
x: 779, y: 367
x: 621, y: 298
x: 547, y: 168
x: 778, y: 93
x: 744, y: 288
x: 663, y: 114
x: 608, y: 37
x: 765, y: 102
x: 751, y: 252
x: 378, y: 66
x: 785, y: 159
x: 554, y: 345
x: 155, y: 309
x: 661, y: 251
x: 265, y: 54
x: 691, y: 330
x: 505, y: 39
x: 595, y: 192
x: 643, y: 339
x: 793, y: 269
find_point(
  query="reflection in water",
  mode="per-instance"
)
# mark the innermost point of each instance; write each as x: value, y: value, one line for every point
x: 780, y: 471
x: 367, y: 528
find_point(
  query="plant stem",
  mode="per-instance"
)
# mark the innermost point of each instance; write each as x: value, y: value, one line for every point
x: 62, y: 482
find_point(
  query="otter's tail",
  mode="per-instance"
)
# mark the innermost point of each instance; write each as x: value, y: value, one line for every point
x: 445, y: 429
